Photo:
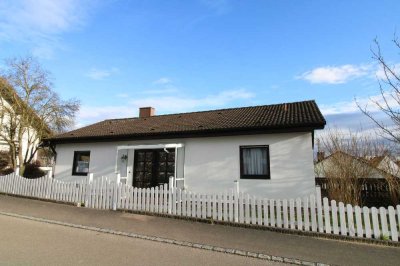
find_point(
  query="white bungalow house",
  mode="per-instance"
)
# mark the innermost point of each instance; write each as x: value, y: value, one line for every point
x: 268, y: 149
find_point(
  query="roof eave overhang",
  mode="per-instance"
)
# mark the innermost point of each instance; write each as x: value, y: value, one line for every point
x: 190, y: 134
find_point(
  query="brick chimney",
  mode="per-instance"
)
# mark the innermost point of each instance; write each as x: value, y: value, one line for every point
x: 146, y: 111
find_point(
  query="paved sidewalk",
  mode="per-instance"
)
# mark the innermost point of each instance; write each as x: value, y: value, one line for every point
x: 267, y: 242
x: 37, y: 243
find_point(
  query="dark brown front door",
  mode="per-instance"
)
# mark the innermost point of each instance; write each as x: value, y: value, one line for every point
x: 153, y: 167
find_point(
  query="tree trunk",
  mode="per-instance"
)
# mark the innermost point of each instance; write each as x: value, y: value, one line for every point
x: 13, y: 156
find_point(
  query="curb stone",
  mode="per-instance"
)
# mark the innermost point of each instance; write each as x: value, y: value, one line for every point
x: 278, y: 259
x: 252, y: 254
x: 171, y: 241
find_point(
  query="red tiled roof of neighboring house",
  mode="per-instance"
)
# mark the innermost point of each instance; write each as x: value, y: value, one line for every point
x: 375, y: 161
x: 296, y: 116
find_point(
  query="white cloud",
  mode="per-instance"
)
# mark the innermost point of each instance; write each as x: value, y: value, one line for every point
x: 351, y: 106
x: 371, y: 132
x: 182, y: 104
x: 162, y: 81
x: 91, y: 114
x: 335, y: 74
x: 380, y: 73
x: 165, y: 104
x: 339, y: 107
x: 100, y: 74
x: 40, y: 22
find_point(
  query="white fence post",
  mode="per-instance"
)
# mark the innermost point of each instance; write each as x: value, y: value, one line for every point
x: 115, y: 194
x: 50, y: 173
x: 335, y: 225
x: 170, y: 191
x: 327, y: 216
x: 236, y: 201
x: 319, y: 210
x: 88, y: 189
x: 367, y: 223
x: 392, y: 222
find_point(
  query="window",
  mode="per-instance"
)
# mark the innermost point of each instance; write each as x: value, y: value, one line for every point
x: 254, y: 162
x: 81, y: 163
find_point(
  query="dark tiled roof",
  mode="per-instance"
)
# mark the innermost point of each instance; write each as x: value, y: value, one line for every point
x: 278, y: 117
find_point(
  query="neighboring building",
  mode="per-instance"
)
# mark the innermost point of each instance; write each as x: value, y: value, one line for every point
x: 268, y: 149
x: 373, y: 167
x: 8, y: 99
x: 386, y: 164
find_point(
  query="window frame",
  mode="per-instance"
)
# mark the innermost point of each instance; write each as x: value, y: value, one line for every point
x: 74, y: 163
x: 262, y: 177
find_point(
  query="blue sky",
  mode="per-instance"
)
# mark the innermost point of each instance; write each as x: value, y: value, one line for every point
x: 179, y: 56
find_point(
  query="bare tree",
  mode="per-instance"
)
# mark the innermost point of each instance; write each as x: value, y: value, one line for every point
x: 388, y: 102
x: 391, y: 172
x: 346, y: 165
x: 33, y: 109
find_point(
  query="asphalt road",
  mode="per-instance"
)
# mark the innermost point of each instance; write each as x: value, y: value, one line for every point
x: 261, y: 241
x: 25, y: 242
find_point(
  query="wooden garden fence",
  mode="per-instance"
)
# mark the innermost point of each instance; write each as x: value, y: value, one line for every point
x: 312, y: 213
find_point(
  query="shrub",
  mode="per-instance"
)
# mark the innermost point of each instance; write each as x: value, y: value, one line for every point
x: 6, y: 171
x: 33, y: 171
x: 4, y: 160
x: 3, y: 163
x: 5, y: 167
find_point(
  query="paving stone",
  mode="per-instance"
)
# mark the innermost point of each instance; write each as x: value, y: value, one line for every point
x: 208, y: 247
x: 241, y: 252
x: 288, y: 260
x: 219, y: 249
x: 187, y: 244
x: 298, y: 262
x: 230, y: 250
x: 252, y: 254
x: 177, y: 242
x: 264, y: 257
x: 275, y: 258
x: 308, y: 263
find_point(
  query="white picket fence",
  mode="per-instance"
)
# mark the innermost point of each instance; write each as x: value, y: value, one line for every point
x: 307, y: 214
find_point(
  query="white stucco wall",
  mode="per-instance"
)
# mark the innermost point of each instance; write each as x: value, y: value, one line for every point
x: 29, y: 134
x: 213, y: 164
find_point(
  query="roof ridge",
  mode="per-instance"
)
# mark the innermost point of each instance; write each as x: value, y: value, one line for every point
x: 213, y: 110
